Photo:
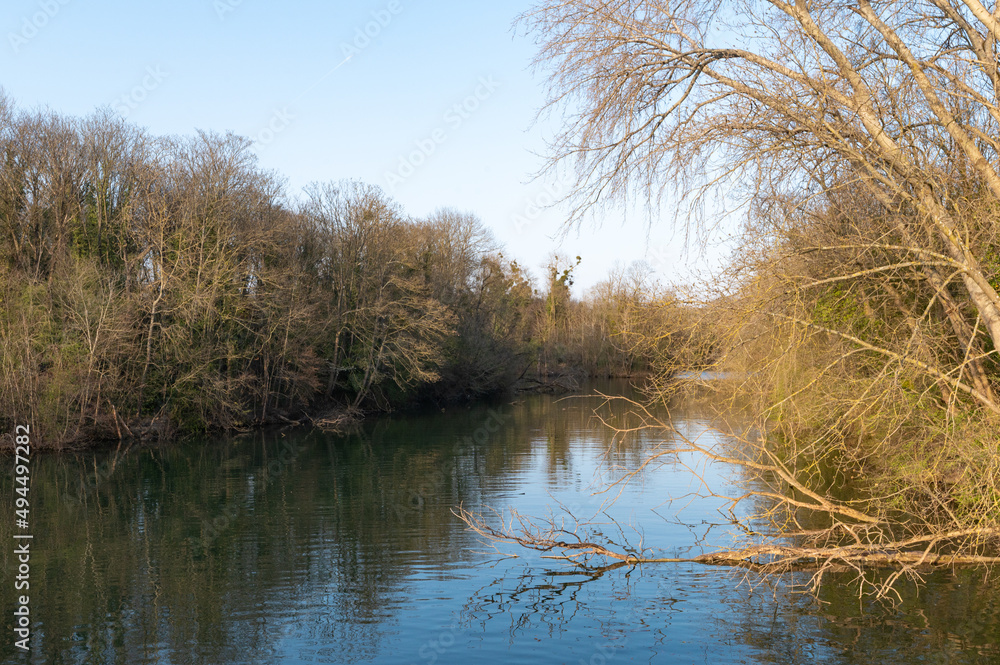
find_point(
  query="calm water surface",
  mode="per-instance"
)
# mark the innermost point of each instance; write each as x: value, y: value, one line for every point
x: 303, y: 547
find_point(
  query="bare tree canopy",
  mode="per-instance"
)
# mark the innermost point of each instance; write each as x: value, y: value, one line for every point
x: 858, y: 323
x: 899, y: 99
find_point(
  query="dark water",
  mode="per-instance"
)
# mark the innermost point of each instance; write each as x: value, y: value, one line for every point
x: 302, y: 547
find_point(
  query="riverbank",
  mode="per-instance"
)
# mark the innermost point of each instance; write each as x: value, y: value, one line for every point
x: 211, y: 537
x: 113, y: 428
x: 331, y: 419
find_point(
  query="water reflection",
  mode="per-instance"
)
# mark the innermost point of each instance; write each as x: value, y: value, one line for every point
x: 301, y: 547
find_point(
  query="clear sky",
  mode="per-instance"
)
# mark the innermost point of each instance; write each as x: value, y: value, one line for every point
x: 435, y: 102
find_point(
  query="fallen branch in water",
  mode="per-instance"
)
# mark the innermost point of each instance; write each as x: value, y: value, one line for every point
x: 855, y: 536
x: 338, y: 420
x: 765, y: 558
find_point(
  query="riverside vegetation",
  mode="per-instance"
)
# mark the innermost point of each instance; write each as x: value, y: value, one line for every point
x: 857, y: 325
x: 858, y: 321
x: 156, y: 286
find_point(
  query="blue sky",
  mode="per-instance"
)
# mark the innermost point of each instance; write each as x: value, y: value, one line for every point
x: 436, y: 103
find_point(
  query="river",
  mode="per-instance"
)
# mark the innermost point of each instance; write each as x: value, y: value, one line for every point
x: 303, y: 547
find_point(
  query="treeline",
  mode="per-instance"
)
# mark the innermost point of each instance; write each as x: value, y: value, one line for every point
x: 627, y: 325
x: 170, y: 285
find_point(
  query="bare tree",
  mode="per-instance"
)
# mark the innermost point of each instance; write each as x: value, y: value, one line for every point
x: 861, y: 313
x: 897, y: 98
x: 384, y: 324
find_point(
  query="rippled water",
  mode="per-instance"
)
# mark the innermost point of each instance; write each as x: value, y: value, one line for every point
x: 303, y: 547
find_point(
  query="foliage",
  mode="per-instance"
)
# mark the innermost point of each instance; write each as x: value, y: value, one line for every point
x: 152, y: 286
x: 859, y: 321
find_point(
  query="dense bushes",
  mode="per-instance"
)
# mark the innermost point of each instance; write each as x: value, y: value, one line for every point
x: 169, y: 284
x: 863, y: 353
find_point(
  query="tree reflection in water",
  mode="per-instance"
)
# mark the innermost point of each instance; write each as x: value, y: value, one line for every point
x: 346, y: 551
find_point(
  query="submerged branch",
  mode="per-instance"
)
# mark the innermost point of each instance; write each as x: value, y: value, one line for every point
x: 764, y: 558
